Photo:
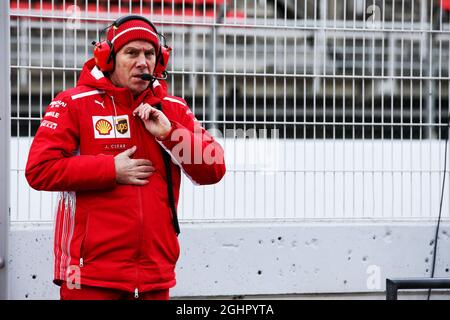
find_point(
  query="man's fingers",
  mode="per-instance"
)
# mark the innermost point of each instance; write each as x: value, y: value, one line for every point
x: 138, y: 182
x: 142, y: 162
x: 153, y: 111
x: 143, y: 175
x: 146, y: 168
x: 135, y: 111
x: 142, y: 108
x: 143, y: 171
x: 146, y: 114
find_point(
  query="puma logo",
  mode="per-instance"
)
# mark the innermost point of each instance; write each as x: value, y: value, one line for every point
x: 100, y: 103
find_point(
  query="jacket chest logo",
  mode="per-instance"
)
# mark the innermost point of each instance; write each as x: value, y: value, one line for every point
x: 103, y: 127
x: 107, y: 127
x: 122, y: 125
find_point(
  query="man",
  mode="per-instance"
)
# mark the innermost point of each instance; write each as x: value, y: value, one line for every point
x: 107, y: 147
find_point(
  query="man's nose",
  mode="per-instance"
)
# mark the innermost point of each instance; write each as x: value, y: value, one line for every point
x: 141, y: 61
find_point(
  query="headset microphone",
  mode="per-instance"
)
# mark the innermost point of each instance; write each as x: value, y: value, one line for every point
x: 146, y: 77
x: 149, y: 77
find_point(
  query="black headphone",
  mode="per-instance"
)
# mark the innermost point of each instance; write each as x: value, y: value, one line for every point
x: 104, y: 50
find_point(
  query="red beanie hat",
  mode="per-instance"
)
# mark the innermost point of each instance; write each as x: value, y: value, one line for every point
x: 130, y: 31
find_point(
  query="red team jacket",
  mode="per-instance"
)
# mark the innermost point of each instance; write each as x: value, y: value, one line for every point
x: 116, y: 236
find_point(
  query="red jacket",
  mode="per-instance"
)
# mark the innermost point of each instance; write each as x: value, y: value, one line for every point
x: 116, y: 236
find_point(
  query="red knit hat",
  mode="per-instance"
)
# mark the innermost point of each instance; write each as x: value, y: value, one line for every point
x: 130, y: 31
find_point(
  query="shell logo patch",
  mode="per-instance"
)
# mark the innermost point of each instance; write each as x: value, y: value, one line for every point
x: 107, y: 127
x: 103, y: 127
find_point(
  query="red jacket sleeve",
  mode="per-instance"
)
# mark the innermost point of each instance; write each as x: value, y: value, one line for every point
x: 53, y: 163
x: 192, y: 147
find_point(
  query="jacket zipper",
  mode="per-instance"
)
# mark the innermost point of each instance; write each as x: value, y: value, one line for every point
x: 138, y: 256
x: 82, y: 243
x: 141, y: 221
x: 81, y: 251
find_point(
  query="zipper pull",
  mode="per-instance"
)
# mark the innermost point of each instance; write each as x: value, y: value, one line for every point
x: 81, y: 262
x: 136, y: 293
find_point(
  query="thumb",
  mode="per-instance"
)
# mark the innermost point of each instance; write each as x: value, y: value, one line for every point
x: 129, y: 152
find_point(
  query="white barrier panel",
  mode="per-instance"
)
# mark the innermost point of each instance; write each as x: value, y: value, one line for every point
x: 293, y: 180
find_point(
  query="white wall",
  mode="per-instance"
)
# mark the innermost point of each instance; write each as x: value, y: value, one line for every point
x: 293, y: 179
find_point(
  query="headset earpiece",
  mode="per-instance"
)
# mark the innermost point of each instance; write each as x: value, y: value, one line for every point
x: 104, y: 55
x: 162, y: 61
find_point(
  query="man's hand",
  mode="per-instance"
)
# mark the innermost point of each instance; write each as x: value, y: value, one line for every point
x: 132, y: 171
x: 154, y: 120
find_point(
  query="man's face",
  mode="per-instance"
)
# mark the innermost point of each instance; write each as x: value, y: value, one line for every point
x: 132, y: 60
